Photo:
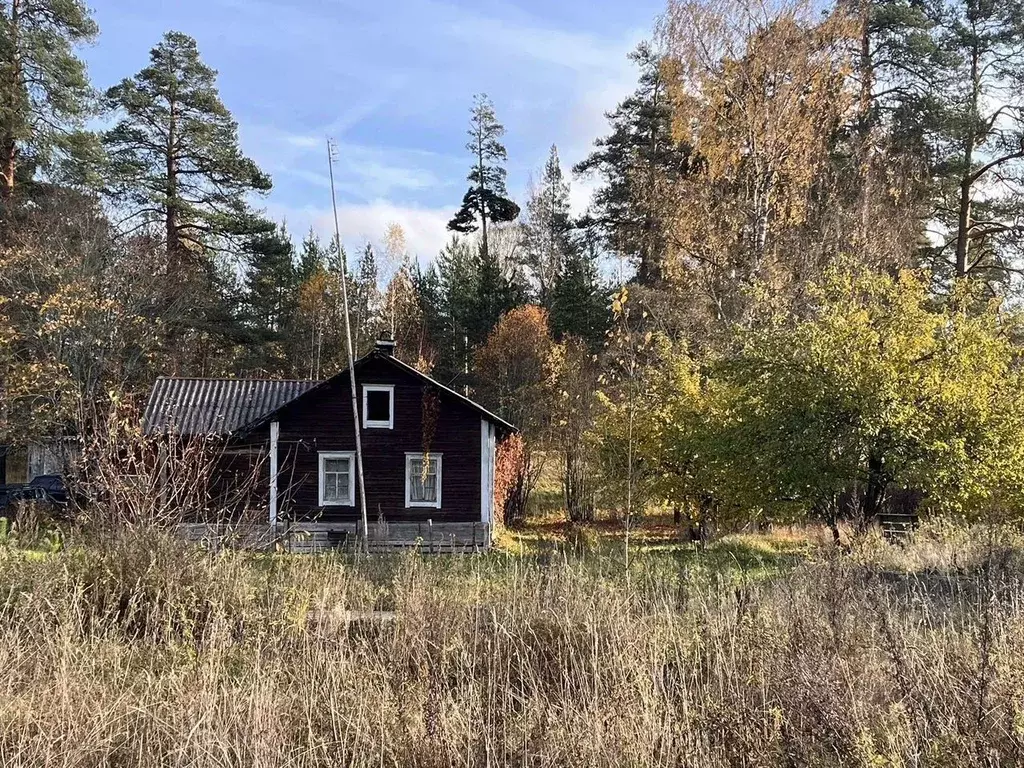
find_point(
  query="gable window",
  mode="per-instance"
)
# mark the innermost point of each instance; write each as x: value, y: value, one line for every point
x: 423, y: 480
x: 337, y: 479
x: 378, y: 406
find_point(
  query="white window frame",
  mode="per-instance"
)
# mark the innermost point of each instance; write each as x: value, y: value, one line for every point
x: 409, y: 503
x: 321, y: 476
x: 390, y: 389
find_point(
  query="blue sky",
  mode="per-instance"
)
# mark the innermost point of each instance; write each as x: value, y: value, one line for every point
x: 392, y: 81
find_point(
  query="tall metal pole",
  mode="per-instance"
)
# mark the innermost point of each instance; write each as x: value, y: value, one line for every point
x: 351, y: 357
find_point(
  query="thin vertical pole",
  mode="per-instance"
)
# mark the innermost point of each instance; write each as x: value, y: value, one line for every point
x: 351, y: 357
x: 275, y: 434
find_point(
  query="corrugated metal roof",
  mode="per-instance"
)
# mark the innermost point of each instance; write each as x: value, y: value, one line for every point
x: 215, y: 406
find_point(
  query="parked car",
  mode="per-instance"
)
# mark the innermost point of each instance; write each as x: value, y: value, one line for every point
x: 42, y: 490
x: 53, y: 485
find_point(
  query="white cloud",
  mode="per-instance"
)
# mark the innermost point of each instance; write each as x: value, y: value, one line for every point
x: 425, y: 228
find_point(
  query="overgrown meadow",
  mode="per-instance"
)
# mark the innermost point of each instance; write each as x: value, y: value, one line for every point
x: 139, y: 649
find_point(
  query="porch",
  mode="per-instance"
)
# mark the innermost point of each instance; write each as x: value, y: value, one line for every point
x: 310, y: 538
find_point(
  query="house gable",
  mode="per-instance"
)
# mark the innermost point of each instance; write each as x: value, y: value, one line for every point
x: 379, y: 368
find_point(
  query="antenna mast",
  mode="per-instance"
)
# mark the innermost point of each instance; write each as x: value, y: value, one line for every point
x: 348, y: 347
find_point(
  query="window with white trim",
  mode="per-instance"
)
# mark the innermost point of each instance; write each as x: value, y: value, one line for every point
x: 337, y: 479
x: 423, y: 480
x: 378, y: 406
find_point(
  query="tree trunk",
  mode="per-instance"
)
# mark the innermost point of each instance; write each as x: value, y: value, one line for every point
x: 963, y: 222
x: 480, y: 190
x: 579, y: 504
x: 174, y: 260
x: 867, y: 73
x: 864, y: 121
x: 10, y: 141
x: 874, y: 493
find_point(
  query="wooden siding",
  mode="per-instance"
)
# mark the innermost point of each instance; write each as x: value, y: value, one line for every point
x: 426, y: 419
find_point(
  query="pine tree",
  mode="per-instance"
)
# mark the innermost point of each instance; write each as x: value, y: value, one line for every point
x: 271, y: 281
x: 639, y: 148
x: 547, y: 231
x: 487, y: 198
x: 965, y: 105
x: 365, y: 301
x: 175, y: 159
x: 45, y: 94
x: 579, y: 300
x: 312, y: 257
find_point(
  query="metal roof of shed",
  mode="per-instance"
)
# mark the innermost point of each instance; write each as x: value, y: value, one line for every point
x: 215, y: 406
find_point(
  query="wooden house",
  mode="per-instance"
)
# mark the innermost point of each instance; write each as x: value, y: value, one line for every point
x: 428, y: 453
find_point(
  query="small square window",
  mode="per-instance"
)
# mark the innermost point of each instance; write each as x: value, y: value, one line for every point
x: 378, y: 406
x: 337, y: 487
x: 423, y: 480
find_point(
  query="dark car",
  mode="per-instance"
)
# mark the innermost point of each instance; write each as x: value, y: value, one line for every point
x: 52, y: 485
x: 41, y: 490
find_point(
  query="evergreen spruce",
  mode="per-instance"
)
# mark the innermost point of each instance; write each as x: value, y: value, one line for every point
x: 579, y: 300
x: 365, y: 301
x: 312, y: 257
x: 269, y: 300
x: 547, y: 231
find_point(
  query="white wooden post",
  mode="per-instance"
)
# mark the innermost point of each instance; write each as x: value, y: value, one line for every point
x: 275, y: 432
x: 486, y: 472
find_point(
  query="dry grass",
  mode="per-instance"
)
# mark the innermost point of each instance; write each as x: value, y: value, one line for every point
x: 138, y: 650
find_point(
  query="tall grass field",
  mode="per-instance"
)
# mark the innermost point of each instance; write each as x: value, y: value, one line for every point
x: 137, y: 649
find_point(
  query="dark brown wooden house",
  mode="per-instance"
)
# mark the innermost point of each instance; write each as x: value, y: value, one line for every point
x: 428, y: 452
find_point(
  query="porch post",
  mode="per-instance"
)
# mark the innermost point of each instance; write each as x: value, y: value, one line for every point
x: 275, y: 432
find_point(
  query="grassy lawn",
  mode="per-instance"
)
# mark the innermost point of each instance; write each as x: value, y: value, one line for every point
x: 657, y: 540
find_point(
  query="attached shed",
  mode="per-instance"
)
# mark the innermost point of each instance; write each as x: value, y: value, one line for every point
x: 428, y: 452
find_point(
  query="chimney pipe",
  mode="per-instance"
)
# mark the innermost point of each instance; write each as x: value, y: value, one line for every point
x: 385, y: 347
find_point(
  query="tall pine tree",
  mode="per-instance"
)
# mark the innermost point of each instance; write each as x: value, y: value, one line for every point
x: 639, y: 149
x: 967, y: 107
x: 547, y: 231
x: 177, y: 170
x: 175, y: 158
x: 486, y: 201
x: 45, y: 94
